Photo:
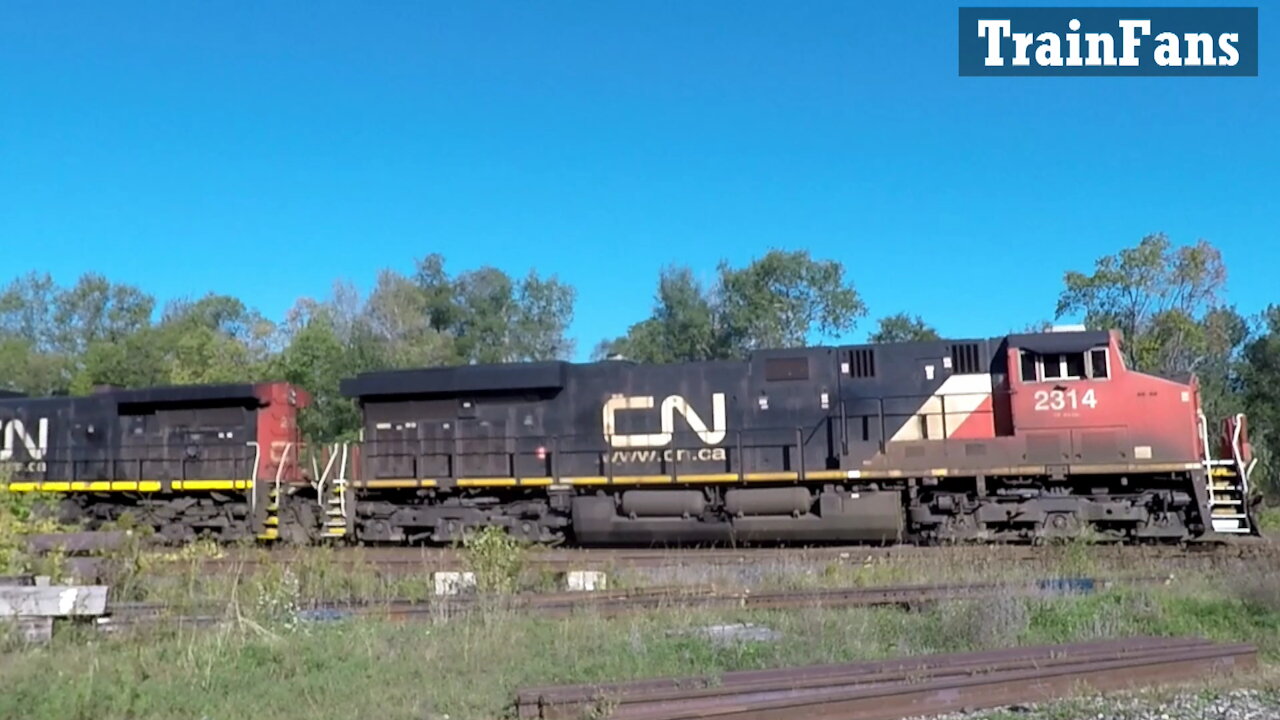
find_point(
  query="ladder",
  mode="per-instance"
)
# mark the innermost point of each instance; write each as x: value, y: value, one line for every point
x: 1228, y: 498
x: 1228, y: 481
x: 333, y: 498
x: 271, y: 523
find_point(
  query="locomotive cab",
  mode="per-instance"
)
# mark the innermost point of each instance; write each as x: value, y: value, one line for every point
x: 1075, y: 402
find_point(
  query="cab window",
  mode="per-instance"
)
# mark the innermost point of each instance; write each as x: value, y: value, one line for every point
x: 1054, y: 367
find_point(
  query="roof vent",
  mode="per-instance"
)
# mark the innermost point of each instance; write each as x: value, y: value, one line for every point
x: 1067, y: 328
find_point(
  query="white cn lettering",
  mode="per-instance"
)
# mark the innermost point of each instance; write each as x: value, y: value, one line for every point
x: 15, y: 431
x: 670, y: 406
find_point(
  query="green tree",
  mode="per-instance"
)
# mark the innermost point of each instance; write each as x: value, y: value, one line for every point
x: 24, y: 368
x: 681, y: 327
x: 54, y: 338
x: 98, y: 310
x: 139, y: 359
x: 493, y: 318
x: 29, y: 360
x: 398, y: 317
x: 27, y: 306
x: 902, y: 328
x: 317, y: 358
x: 1159, y: 296
x: 783, y: 299
x: 1260, y: 395
x: 215, y: 339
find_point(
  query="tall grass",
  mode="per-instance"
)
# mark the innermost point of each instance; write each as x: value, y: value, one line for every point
x: 268, y: 664
x: 1269, y: 520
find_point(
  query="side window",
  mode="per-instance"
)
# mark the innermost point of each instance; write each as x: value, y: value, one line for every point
x: 1028, y: 363
x: 1074, y: 365
x: 1051, y: 367
x: 1098, y: 363
x: 1064, y: 366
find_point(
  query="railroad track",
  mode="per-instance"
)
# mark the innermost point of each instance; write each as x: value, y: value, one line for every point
x: 893, y: 689
x: 617, y: 602
x: 410, y: 560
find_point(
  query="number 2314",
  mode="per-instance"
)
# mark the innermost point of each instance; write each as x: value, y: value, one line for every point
x: 1064, y: 400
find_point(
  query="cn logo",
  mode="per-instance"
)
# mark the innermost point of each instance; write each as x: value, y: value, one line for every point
x: 16, y: 434
x: 670, y: 406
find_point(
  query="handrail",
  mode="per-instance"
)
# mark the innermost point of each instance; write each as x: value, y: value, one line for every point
x: 253, y: 478
x: 341, y: 482
x: 322, y: 477
x: 1237, y: 455
x: 280, y: 469
x: 1203, y: 426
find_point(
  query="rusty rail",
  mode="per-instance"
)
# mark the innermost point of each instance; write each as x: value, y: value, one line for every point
x: 618, y: 602
x: 893, y: 689
x: 621, y: 602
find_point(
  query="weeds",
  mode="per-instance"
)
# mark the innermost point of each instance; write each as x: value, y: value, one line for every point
x: 1261, y: 591
x: 1269, y: 520
x: 275, y: 599
x: 23, y: 514
x: 496, y: 558
x: 475, y: 663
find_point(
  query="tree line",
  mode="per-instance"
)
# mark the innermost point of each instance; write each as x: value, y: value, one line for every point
x: 1168, y: 300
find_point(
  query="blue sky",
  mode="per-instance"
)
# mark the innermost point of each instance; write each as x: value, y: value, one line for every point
x: 266, y: 149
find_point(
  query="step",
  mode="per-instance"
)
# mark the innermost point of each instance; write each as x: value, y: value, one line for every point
x: 1228, y: 514
x: 1230, y: 526
x: 335, y: 513
x: 273, y: 507
x: 335, y: 532
x: 272, y: 521
x: 1217, y: 501
x: 335, y: 523
x: 269, y: 534
x: 1224, y: 471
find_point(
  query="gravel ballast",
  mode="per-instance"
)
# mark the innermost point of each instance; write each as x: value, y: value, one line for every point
x: 1207, y: 705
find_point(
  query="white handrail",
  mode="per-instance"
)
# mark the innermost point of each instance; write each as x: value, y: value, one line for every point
x: 324, y: 476
x: 253, y: 478
x: 1204, y: 438
x: 280, y: 471
x: 1236, y: 451
x: 341, y: 482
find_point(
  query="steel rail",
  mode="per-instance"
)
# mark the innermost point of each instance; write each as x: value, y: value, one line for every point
x: 618, y: 602
x: 837, y: 673
x: 899, y: 688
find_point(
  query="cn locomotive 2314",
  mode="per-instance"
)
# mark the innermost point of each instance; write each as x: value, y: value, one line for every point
x: 1011, y: 439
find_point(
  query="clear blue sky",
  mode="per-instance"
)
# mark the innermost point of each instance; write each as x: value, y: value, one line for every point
x: 264, y: 149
